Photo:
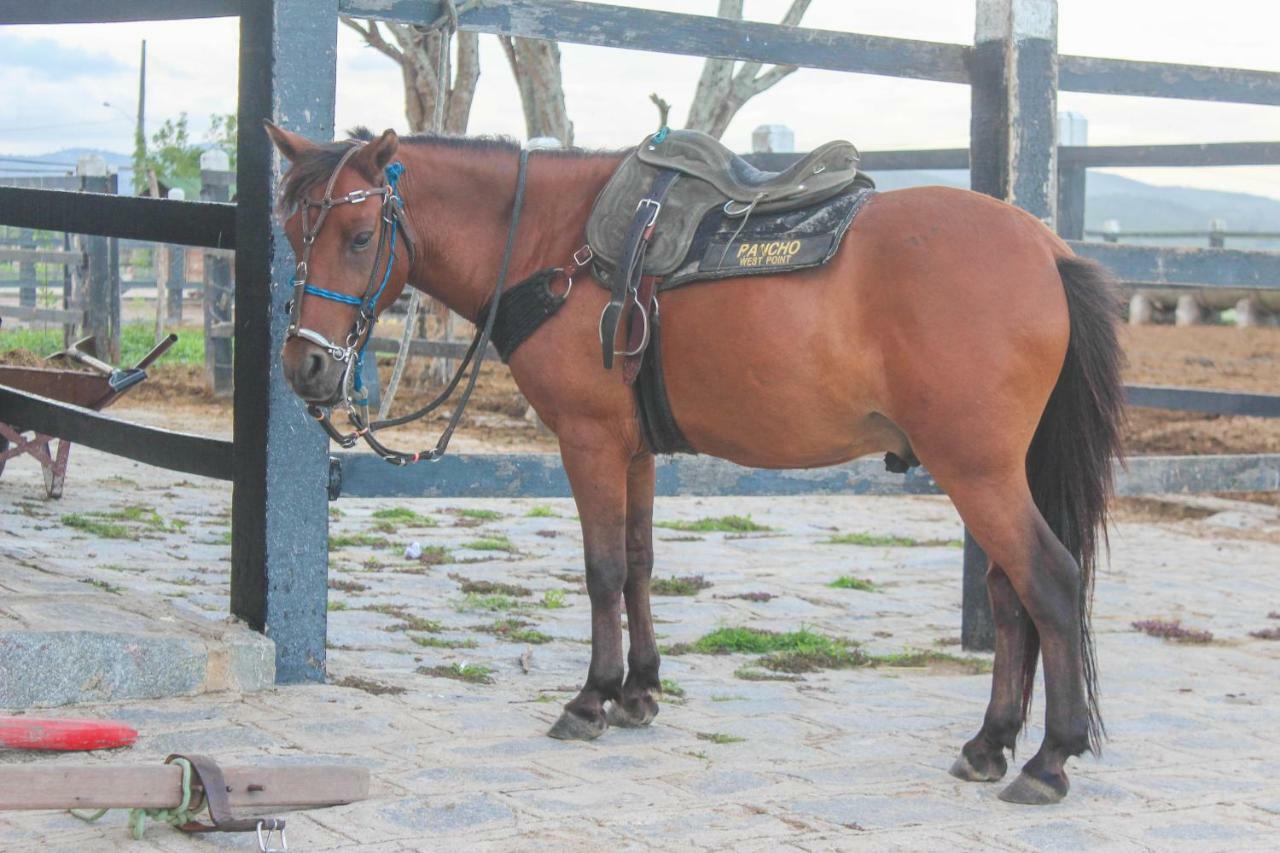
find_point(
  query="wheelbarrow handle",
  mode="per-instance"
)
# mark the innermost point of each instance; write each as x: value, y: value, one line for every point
x: 157, y: 351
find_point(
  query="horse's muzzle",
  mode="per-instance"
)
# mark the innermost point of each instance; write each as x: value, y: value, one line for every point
x: 314, y: 375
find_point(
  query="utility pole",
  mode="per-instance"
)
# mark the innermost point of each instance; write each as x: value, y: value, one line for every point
x: 140, y: 132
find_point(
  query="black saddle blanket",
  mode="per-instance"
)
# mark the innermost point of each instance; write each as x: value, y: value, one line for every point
x: 769, y: 243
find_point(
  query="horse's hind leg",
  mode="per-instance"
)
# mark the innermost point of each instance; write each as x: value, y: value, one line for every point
x: 1017, y: 650
x: 637, y: 706
x: 1047, y: 581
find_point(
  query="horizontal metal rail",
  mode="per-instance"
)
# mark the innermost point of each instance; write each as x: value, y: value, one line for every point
x: 175, y: 451
x: 1208, y: 154
x: 162, y: 220
x: 42, y: 315
x: 540, y: 475
x: 110, y: 11
x: 1186, y: 267
x: 1200, y: 400
x: 41, y: 256
x: 1167, y: 80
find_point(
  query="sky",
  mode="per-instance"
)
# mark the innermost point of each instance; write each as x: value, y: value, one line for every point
x: 58, y: 78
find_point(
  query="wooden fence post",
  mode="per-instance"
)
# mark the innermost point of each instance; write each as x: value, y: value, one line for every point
x: 98, y: 285
x: 215, y: 185
x: 280, y: 512
x: 1013, y: 153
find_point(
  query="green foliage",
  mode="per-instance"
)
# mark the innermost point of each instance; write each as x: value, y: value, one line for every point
x: 136, y: 339
x: 475, y: 587
x: 723, y: 524
x: 517, y: 631
x: 877, y: 541
x: 480, y: 514
x: 541, y: 511
x: 670, y: 687
x: 405, y: 517
x: 441, y: 643
x: 469, y: 672
x: 756, y: 641
x: 490, y: 543
x: 850, y: 582
x: 553, y: 599
x: 175, y: 156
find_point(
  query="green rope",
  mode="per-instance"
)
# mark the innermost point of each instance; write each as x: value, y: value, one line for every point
x: 138, y: 817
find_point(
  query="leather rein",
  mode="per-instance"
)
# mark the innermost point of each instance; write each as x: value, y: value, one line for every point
x: 354, y: 397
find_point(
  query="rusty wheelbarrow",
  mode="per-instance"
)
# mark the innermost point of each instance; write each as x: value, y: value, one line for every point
x: 98, y: 387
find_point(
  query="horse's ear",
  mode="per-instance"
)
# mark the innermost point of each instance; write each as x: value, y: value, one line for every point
x: 290, y: 145
x: 378, y: 153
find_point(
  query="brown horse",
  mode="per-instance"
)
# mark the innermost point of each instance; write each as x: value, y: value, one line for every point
x: 949, y: 327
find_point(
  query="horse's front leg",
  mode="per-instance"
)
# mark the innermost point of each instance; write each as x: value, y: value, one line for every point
x: 598, y: 476
x: 638, y: 707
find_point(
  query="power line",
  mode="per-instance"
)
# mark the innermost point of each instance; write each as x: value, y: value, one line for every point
x: 59, y: 126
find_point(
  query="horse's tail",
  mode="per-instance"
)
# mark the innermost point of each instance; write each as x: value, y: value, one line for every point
x: 1069, y: 463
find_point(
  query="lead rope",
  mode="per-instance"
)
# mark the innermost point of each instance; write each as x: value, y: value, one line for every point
x: 477, y: 351
x: 448, y: 24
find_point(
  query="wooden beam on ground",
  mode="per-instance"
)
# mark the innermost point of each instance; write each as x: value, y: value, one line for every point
x: 33, y: 786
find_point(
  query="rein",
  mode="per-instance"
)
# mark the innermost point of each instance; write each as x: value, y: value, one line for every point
x: 355, y: 400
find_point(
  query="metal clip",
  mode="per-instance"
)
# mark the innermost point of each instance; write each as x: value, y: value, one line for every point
x: 264, y: 841
x: 583, y: 256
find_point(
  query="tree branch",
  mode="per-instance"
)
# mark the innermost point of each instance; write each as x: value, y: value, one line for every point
x: 373, y: 38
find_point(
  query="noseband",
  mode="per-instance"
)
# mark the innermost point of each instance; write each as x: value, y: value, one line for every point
x: 351, y: 354
x: 352, y: 394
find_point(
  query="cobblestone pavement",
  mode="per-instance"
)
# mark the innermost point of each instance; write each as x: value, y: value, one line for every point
x: 851, y: 759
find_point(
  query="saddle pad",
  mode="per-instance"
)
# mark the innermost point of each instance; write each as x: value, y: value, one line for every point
x: 769, y: 243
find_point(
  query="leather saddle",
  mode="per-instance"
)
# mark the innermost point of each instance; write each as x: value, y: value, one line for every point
x: 644, y: 220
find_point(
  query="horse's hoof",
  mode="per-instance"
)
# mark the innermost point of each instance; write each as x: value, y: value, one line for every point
x: 992, y: 772
x: 572, y: 727
x: 1030, y: 791
x: 639, y: 714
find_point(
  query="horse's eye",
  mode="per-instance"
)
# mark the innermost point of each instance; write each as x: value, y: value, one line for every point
x: 361, y: 240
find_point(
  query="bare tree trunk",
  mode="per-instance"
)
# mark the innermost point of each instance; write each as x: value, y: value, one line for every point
x: 417, y: 51
x: 721, y: 91
x: 536, y: 67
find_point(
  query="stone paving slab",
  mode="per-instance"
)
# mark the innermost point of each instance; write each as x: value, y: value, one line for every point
x: 840, y: 760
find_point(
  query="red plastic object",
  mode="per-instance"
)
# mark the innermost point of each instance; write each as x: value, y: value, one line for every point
x: 64, y: 735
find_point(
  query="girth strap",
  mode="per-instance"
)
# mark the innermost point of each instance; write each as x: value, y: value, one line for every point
x: 627, y: 281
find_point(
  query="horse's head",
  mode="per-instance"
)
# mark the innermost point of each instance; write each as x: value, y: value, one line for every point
x: 345, y: 223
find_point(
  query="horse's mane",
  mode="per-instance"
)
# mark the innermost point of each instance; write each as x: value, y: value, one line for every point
x: 318, y: 163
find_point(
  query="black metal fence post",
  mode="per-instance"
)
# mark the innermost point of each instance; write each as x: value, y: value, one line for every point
x: 1013, y: 156
x: 279, y: 527
x: 215, y: 185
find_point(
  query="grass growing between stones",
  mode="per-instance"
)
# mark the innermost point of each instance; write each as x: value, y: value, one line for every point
x: 475, y: 587
x: 1172, y: 629
x: 127, y: 523
x: 490, y: 543
x: 515, y: 630
x: 479, y: 514
x: 408, y: 621
x: 796, y: 652
x: 720, y: 737
x: 874, y: 540
x: 404, y: 516
x: 103, y: 585
x: 471, y: 673
x: 670, y: 687
x: 723, y: 524
x: 540, y: 511
x: 687, y: 585
x: 553, y: 599
x: 850, y: 582
x: 492, y: 603
x: 441, y: 643
x: 357, y: 540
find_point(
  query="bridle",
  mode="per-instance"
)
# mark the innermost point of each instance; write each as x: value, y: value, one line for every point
x: 352, y: 353
x: 352, y: 395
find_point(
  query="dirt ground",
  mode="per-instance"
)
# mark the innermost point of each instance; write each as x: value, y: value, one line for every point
x: 1216, y: 357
